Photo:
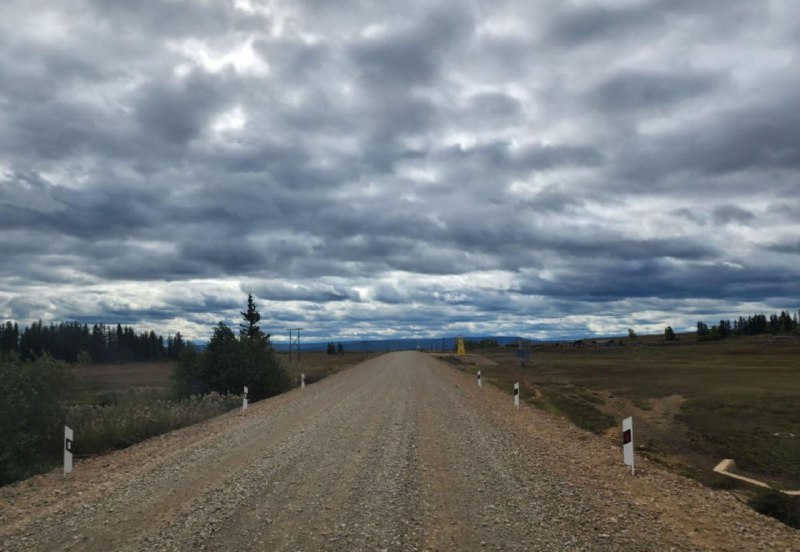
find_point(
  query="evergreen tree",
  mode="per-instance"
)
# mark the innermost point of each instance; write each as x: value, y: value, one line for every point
x: 249, y: 328
x: 228, y: 363
x: 669, y: 334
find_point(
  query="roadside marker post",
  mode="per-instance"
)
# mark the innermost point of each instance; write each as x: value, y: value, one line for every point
x: 302, y: 381
x: 480, y: 383
x: 516, y: 395
x: 67, y: 450
x: 627, y: 443
x: 245, y: 396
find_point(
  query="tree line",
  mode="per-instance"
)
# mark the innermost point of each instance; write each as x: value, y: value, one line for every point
x: 783, y: 323
x: 76, y: 342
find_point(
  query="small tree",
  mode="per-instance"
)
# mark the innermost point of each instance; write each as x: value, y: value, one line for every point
x: 631, y: 333
x: 669, y: 335
x: 339, y: 348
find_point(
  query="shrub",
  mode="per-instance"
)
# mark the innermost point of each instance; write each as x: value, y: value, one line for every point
x: 778, y: 505
x: 33, y: 399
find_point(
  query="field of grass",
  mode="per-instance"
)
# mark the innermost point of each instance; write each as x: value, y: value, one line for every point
x: 693, y: 403
x: 155, y: 375
x: 117, y: 377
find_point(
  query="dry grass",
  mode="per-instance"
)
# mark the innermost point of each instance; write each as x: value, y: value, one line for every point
x: 317, y: 365
x: 124, y: 376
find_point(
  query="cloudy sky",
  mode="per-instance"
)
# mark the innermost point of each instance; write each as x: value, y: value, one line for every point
x: 365, y: 168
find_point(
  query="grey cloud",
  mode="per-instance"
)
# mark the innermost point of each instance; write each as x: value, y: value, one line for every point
x: 386, y: 148
x: 634, y: 90
x: 312, y: 292
x: 176, y: 112
x: 726, y: 214
x: 408, y: 57
x: 590, y: 23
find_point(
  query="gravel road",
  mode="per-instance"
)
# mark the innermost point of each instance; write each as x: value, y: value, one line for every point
x: 401, y: 452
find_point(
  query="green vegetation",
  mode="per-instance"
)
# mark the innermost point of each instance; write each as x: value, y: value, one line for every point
x: 229, y: 363
x: 33, y: 400
x: 757, y: 324
x: 778, y: 505
x: 471, y: 344
x: 38, y: 397
x: 334, y: 348
x: 126, y: 418
x: 74, y: 342
x: 753, y: 429
x: 578, y: 408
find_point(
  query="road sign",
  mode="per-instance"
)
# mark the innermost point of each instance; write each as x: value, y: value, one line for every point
x: 627, y: 442
x: 245, y: 397
x: 516, y: 395
x: 67, y: 450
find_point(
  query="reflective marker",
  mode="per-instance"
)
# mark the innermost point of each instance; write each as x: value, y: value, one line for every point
x: 516, y: 395
x: 245, y: 396
x: 627, y: 443
x: 480, y: 384
x: 67, y: 450
x: 302, y: 381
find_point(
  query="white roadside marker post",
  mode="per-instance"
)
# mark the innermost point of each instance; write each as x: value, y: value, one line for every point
x: 67, y: 450
x: 480, y: 383
x: 627, y: 443
x: 516, y: 395
x: 245, y: 396
x: 302, y: 381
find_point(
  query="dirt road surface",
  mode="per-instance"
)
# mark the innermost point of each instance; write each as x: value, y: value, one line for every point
x: 401, y: 452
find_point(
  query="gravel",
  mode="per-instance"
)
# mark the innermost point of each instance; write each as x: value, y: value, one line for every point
x: 398, y: 453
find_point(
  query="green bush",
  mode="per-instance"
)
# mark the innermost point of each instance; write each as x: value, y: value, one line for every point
x: 228, y: 364
x: 778, y: 505
x: 33, y: 400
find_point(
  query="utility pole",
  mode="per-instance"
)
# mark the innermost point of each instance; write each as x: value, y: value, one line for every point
x: 295, y: 342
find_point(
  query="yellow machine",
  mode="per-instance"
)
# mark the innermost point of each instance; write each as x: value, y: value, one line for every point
x: 460, y: 349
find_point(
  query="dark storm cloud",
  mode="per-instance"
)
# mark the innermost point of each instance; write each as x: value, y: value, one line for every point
x: 590, y: 23
x: 389, y: 169
x: 605, y: 282
x: 176, y: 112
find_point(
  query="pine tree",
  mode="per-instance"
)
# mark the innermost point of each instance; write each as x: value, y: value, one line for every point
x: 249, y: 328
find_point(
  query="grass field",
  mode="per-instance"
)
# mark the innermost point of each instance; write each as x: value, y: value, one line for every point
x: 119, y: 377
x: 693, y: 403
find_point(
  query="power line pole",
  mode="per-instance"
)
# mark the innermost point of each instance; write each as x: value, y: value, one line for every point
x: 295, y: 342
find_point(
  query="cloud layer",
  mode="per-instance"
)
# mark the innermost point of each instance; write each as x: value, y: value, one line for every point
x: 424, y: 168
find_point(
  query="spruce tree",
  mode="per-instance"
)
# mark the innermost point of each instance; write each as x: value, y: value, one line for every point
x: 249, y: 328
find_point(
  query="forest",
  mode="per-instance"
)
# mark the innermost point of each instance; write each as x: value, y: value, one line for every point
x: 75, y: 342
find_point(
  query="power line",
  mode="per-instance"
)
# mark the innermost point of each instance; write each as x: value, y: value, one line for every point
x: 294, y: 341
